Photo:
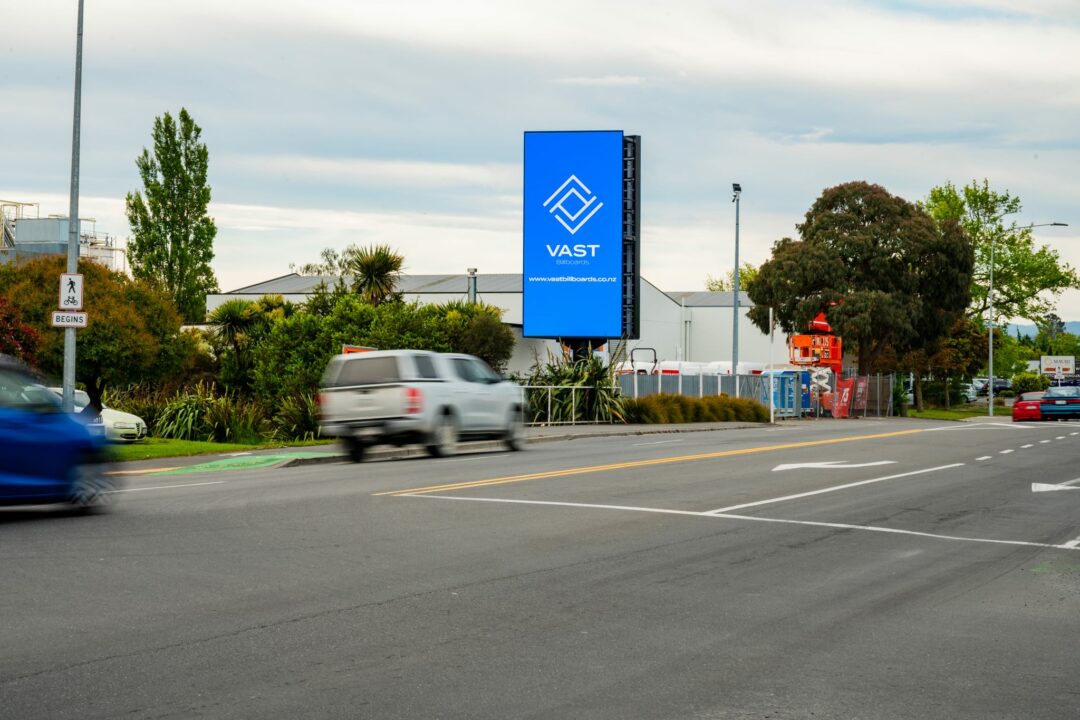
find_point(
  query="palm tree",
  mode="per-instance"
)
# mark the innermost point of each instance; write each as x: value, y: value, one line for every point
x: 375, y: 272
x: 233, y: 320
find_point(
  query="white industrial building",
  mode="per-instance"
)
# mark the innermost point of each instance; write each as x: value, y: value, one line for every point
x: 683, y: 326
x: 25, y: 236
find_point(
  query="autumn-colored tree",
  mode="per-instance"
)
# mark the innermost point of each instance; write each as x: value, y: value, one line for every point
x: 133, y: 333
x: 16, y: 337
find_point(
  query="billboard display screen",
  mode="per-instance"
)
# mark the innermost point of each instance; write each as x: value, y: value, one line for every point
x: 572, y: 258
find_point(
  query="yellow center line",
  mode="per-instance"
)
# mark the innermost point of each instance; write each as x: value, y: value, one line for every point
x: 637, y: 464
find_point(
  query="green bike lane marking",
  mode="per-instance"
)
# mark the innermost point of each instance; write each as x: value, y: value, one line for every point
x: 242, y: 462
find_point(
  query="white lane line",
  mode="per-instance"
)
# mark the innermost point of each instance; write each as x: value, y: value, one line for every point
x: 1072, y: 544
x: 1060, y: 437
x: 1043, y: 442
x: 831, y: 489
x: 1005, y: 452
x: 1075, y: 433
x: 750, y: 518
x: 167, y: 487
x: 1046, y: 487
x: 1025, y: 447
x: 985, y: 457
x: 658, y: 442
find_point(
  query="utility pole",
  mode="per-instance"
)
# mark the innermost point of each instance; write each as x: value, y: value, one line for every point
x: 73, y: 218
x: 735, y: 320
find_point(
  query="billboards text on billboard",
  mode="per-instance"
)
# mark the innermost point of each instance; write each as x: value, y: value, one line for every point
x: 572, y: 255
x: 1058, y: 364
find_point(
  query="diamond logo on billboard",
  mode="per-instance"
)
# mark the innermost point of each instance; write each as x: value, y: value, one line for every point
x: 575, y: 204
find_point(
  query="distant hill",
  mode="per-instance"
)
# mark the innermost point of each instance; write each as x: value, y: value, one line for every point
x: 1032, y: 331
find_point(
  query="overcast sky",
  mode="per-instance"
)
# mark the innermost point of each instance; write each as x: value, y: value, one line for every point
x: 332, y: 122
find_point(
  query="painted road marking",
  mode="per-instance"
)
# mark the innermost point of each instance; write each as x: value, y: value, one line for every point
x: 659, y: 442
x: 1073, y: 543
x: 1043, y: 442
x: 141, y: 472
x: 1046, y: 487
x: 838, y: 464
x: 640, y: 463
x: 1025, y: 447
x: 985, y: 457
x: 1005, y: 452
x: 1060, y: 437
x: 830, y: 489
x: 751, y: 518
x: 167, y: 487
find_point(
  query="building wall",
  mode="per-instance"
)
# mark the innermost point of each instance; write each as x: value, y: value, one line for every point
x: 710, y: 337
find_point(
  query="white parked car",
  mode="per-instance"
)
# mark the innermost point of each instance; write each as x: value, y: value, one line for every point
x: 119, y: 426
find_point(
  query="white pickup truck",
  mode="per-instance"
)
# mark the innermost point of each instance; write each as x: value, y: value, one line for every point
x: 416, y: 396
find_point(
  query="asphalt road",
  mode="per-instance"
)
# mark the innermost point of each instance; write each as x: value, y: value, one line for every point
x: 698, y: 575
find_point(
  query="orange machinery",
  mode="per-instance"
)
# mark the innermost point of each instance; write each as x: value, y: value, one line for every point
x: 819, y: 348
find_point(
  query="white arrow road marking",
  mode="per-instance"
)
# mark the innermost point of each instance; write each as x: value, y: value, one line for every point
x: 838, y: 464
x: 1044, y: 487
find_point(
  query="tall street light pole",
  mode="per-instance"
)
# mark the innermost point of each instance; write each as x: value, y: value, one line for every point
x: 73, y: 218
x: 990, y: 320
x: 735, y: 304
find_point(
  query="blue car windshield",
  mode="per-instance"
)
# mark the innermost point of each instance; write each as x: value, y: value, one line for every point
x: 1065, y: 391
x: 18, y: 390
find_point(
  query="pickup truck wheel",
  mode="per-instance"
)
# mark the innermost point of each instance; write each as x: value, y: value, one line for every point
x: 356, y: 450
x: 515, y: 431
x: 444, y: 438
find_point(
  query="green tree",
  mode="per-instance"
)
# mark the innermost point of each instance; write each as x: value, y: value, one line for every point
x: 173, y: 237
x: 133, y: 333
x: 240, y: 325
x: 747, y: 274
x: 375, y: 272
x: 1027, y: 280
x: 333, y: 263
x: 883, y: 270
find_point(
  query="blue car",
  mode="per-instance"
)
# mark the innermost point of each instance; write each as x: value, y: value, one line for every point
x: 46, y: 455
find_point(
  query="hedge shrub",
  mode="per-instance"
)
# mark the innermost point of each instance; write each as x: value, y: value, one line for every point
x: 658, y: 409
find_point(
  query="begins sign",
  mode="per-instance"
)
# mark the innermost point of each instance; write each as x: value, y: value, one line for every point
x: 572, y: 279
x: 65, y: 319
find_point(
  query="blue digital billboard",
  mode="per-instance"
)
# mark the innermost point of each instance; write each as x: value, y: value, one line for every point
x: 572, y: 260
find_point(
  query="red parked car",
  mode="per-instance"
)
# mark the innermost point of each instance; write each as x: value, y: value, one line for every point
x: 1027, y: 407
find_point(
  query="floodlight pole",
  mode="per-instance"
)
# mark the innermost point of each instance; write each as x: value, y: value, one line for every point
x: 737, y: 188
x: 73, y: 218
x: 990, y: 320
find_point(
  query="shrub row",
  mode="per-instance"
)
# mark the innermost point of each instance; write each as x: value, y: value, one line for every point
x: 656, y: 409
x: 201, y: 413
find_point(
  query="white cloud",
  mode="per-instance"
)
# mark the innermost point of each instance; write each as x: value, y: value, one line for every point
x: 379, y: 173
x: 603, y: 81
